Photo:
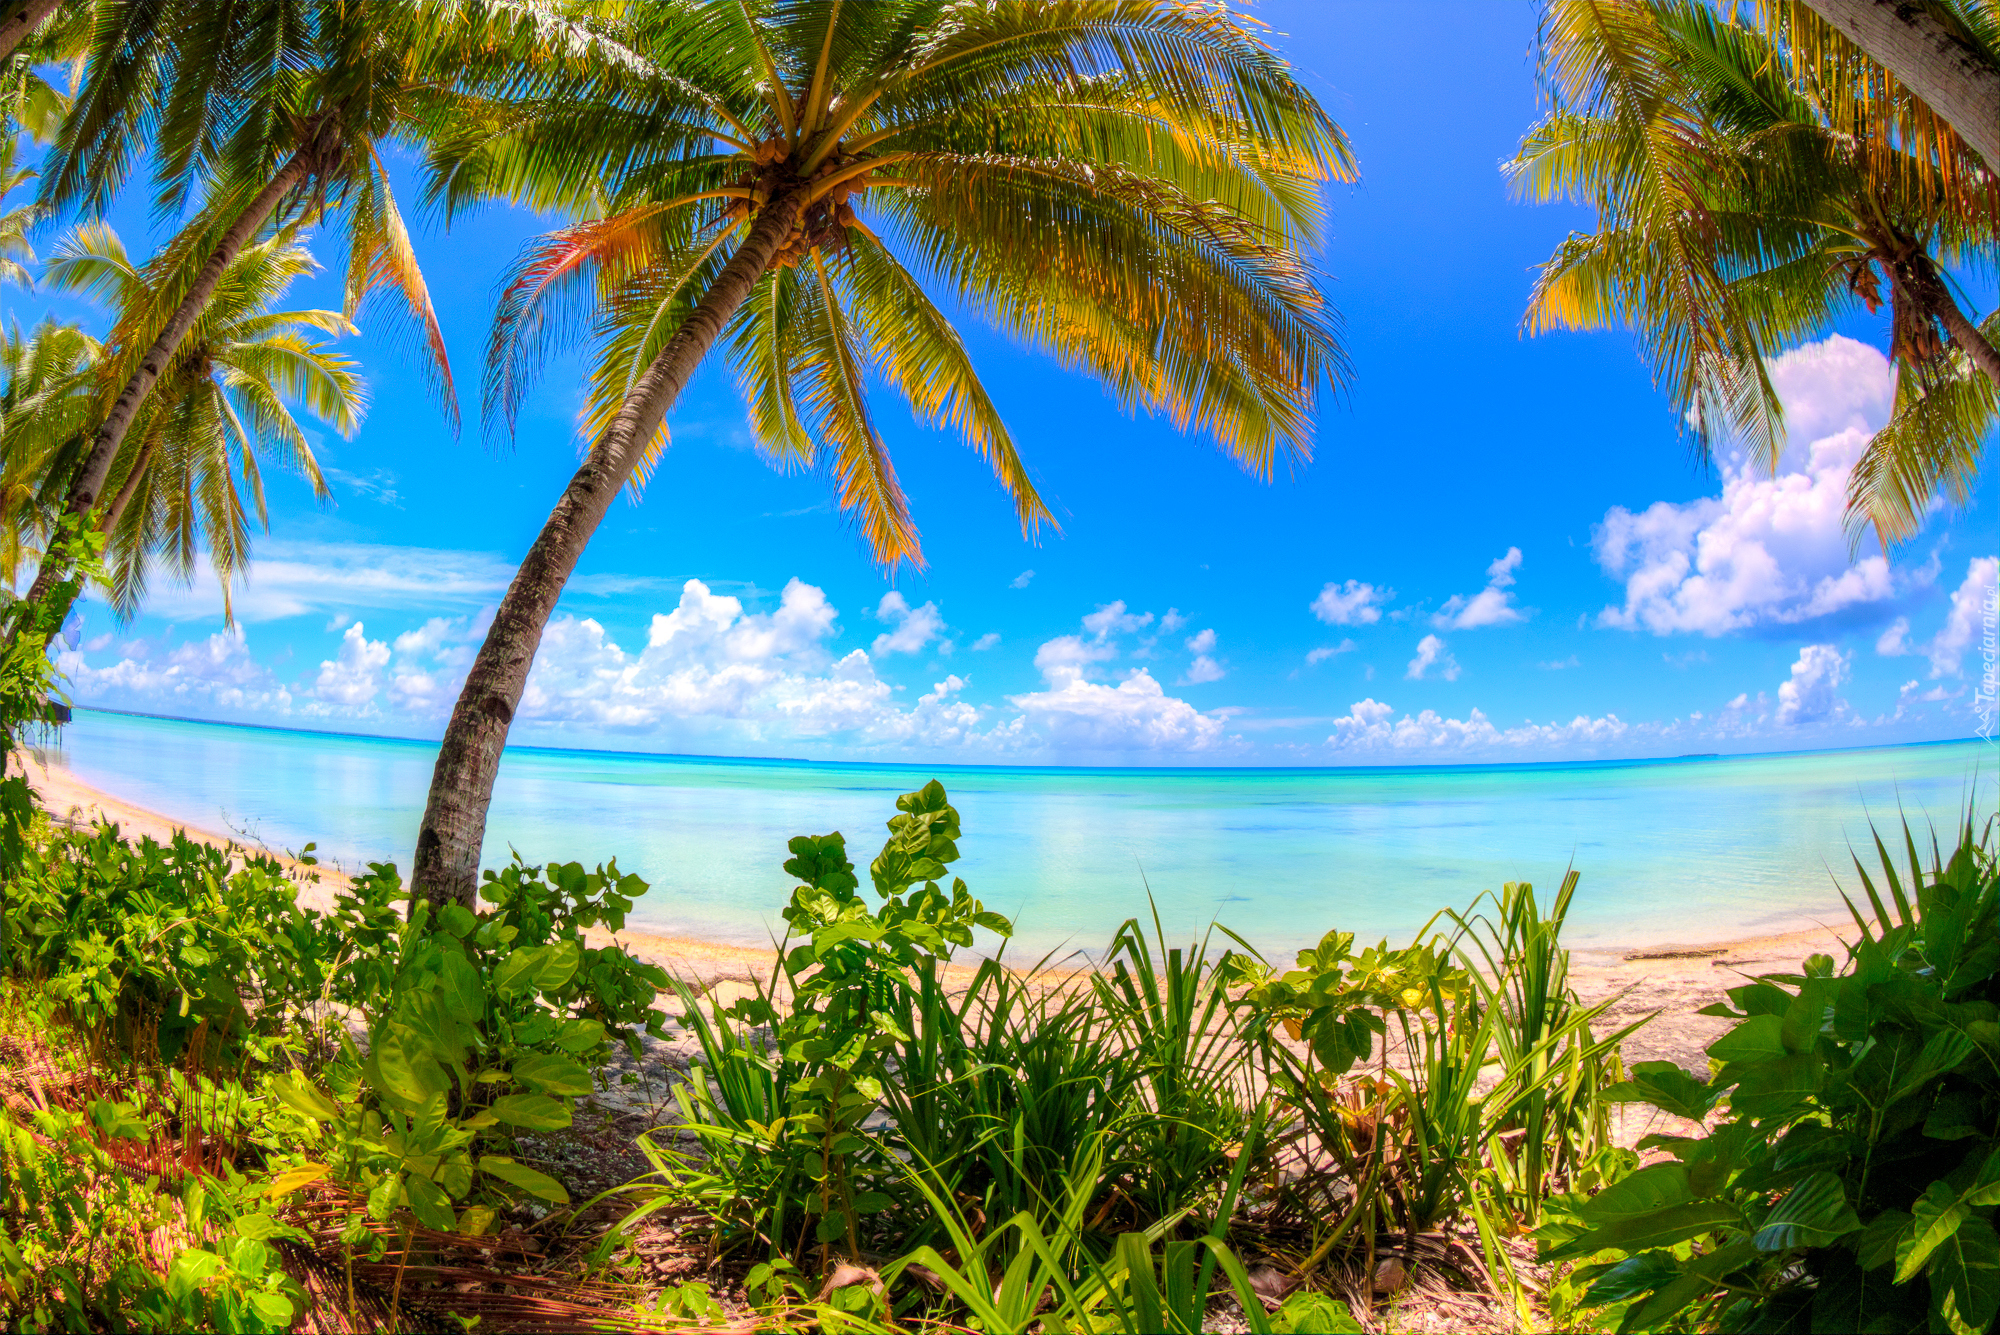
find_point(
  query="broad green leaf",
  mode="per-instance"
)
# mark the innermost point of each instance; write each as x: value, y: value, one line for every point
x: 412, y: 1078
x: 1943, y: 1052
x: 1703, y: 1274
x: 1657, y: 1228
x: 552, y: 1073
x: 1772, y: 1087
x: 1647, y: 1190
x: 284, y: 1184
x: 429, y: 1204
x: 579, y: 1035
x: 558, y: 965
x: 274, y: 1308
x: 516, y: 972
x: 537, y: 1184
x: 458, y: 920
x: 297, y: 1093
x: 1876, y: 1247
x: 1310, y: 1313
x: 1761, y: 998
x: 1759, y: 1038
x: 1813, y: 1214
x: 189, y: 1269
x: 1806, y: 1015
x: 1937, y: 1215
x: 1634, y: 1277
x: 464, y: 998
x: 256, y: 1227
x: 536, y: 1112
x: 120, y: 1121
x: 1965, y: 1277
x: 385, y: 1196
x: 1668, y: 1088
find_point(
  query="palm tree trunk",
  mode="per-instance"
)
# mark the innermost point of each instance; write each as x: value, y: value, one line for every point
x: 130, y: 487
x: 446, y: 867
x: 21, y: 19
x: 1953, y: 78
x: 104, y: 448
x: 1920, y: 276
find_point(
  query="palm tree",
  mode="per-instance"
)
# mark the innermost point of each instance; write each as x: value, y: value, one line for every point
x: 17, y: 251
x: 48, y: 403
x: 27, y: 99
x: 1127, y: 184
x: 1747, y: 193
x: 1947, y: 54
x: 274, y: 111
x: 20, y: 18
x: 221, y: 409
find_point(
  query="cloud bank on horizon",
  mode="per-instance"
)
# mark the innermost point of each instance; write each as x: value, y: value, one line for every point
x: 730, y: 667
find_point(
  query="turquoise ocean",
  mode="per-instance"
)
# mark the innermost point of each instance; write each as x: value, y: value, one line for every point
x: 1686, y: 850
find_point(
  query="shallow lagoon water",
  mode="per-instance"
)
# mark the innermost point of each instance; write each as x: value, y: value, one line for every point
x: 1686, y: 850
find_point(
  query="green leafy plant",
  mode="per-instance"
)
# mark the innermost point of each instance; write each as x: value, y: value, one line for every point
x: 482, y: 1027
x: 799, y: 1106
x: 1854, y: 1180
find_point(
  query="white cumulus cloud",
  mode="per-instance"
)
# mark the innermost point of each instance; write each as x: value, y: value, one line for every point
x: 350, y: 679
x: 1371, y: 725
x: 1810, y: 696
x: 1967, y: 618
x: 915, y: 627
x: 1351, y: 604
x: 1771, y: 549
x: 1078, y: 713
x: 1432, y: 653
x: 1204, y: 668
x: 217, y: 672
x: 1491, y: 606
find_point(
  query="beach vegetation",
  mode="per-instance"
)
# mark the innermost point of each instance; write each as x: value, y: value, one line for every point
x: 362, y: 1110
x: 1847, y: 1173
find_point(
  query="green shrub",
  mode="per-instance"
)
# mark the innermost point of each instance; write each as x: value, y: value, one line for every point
x: 73, y: 1217
x: 481, y: 1026
x: 147, y: 946
x: 1853, y: 1183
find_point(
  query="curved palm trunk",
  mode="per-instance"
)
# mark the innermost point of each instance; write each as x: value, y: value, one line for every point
x: 446, y: 867
x: 1953, y: 79
x: 19, y: 20
x: 114, y: 511
x: 104, y: 448
x: 1963, y: 331
x: 1918, y: 276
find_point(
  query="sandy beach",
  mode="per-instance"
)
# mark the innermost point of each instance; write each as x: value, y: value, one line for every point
x: 1670, y: 982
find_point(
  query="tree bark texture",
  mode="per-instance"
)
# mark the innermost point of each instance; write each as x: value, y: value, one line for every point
x: 446, y: 867
x: 19, y: 20
x: 1930, y: 290
x: 1954, y: 80
x: 114, y: 511
x: 96, y: 465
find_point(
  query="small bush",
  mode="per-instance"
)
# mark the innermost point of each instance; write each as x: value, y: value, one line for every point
x: 1853, y: 1182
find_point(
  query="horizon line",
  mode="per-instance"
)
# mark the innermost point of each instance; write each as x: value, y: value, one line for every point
x: 911, y: 764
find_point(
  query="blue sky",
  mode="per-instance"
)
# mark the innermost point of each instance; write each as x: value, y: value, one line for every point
x: 1501, y: 550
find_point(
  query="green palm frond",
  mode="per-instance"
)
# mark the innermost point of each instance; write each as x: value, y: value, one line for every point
x: 1930, y: 450
x: 1130, y: 185
x: 189, y: 475
x: 1755, y: 180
